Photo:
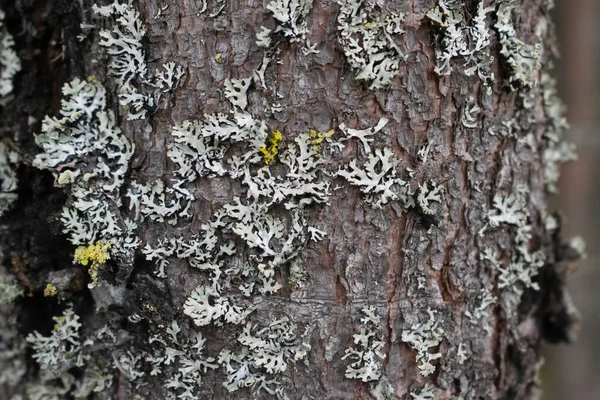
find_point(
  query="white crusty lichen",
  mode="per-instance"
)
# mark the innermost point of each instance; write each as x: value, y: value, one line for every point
x: 8, y: 178
x: 205, y: 306
x: 10, y: 290
x: 422, y: 337
x: 366, y: 353
x: 60, y: 348
x: 186, y: 355
x: 558, y: 150
x: 139, y: 91
x: 87, y: 152
x: 427, y: 392
x: 50, y: 386
x: 13, y: 354
x: 235, y: 91
x: 10, y: 64
x: 464, y: 38
x: 265, y: 353
x: 200, y: 250
x: 508, y: 210
x: 364, y: 135
x: 461, y: 355
x: 428, y: 194
x: 470, y: 113
x: 524, y: 263
x: 479, y: 315
x: 523, y: 59
x: 291, y: 18
x: 271, y: 176
x: 377, y: 178
x: 94, y: 381
x: 368, y: 40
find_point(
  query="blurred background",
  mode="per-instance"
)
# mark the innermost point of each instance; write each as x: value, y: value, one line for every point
x: 573, y: 371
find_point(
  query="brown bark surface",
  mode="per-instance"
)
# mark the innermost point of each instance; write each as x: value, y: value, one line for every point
x: 400, y: 261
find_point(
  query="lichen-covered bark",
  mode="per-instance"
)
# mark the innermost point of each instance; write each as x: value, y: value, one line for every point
x: 399, y: 259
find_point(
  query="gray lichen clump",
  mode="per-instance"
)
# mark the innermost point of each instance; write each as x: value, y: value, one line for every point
x: 10, y: 64
x: 252, y: 205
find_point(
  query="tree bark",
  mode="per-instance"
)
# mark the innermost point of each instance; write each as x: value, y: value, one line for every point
x: 458, y: 271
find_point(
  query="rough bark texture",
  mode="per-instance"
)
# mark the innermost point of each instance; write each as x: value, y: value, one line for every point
x: 398, y: 259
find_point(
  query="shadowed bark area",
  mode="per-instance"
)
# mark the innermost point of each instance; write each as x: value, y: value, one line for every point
x: 401, y: 259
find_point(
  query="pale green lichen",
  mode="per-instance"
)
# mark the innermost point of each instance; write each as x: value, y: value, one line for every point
x: 8, y: 178
x: 427, y: 392
x: 463, y: 39
x: 523, y: 59
x: 235, y: 91
x: 291, y: 18
x: 205, y: 306
x: 10, y: 64
x: 265, y: 353
x: 188, y: 357
x: 422, y: 337
x: 85, y: 140
x: 558, y: 150
x: 366, y: 353
x: 524, y: 264
x: 60, y: 348
x: 377, y: 178
x: 139, y: 92
x: 10, y: 290
x: 368, y: 40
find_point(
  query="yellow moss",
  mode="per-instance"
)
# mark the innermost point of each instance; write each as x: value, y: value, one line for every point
x: 271, y: 151
x: 316, y: 138
x: 97, y: 254
x: 50, y: 290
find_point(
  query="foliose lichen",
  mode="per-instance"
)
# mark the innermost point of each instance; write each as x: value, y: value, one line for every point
x: 422, y: 337
x: 60, y: 348
x: 524, y: 263
x: 461, y: 38
x: 291, y: 17
x: 366, y: 353
x: 368, y: 40
x: 523, y: 59
x: 10, y: 64
x: 8, y: 178
x: 377, y: 178
x: 427, y: 392
x: 265, y: 353
x: 10, y: 290
x: 139, y: 91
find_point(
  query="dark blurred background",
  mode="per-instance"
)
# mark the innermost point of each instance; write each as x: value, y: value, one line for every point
x: 573, y: 371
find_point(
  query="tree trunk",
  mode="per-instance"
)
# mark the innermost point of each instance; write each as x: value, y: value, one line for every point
x: 366, y: 219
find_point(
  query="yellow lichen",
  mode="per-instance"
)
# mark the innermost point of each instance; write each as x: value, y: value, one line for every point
x: 97, y: 254
x: 269, y: 152
x: 50, y: 290
x: 59, y: 321
x: 316, y: 138
x: 219, y: 58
